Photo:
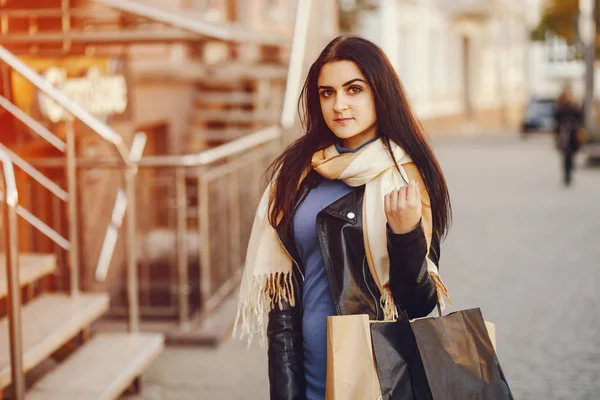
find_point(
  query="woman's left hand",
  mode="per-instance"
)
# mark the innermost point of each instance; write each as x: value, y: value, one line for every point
x: 403, y: 208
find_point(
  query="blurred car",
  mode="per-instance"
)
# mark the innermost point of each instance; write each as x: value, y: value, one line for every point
x: 538, y: 116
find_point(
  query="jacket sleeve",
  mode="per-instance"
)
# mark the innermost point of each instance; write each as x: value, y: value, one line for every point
x: 411, y: 284
x: 286, y: 353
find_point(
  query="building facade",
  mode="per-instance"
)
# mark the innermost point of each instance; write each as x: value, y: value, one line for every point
x: 463, y: 63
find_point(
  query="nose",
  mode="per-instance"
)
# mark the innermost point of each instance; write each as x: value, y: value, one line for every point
x: 340, y: 103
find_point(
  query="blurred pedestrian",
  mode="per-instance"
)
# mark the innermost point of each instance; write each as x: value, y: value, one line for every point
x: 351, y: 222
x: 569, y: 126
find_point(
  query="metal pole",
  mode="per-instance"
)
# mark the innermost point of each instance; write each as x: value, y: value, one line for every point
x: 57, y: 226
x: 14, y: 288
x: 204, y: 229
x: 590, y: 57
x: 73, y: 220
x: 132, y: 278
x: 235, y: 228
x: 183, y: 284
x: 296, y: 64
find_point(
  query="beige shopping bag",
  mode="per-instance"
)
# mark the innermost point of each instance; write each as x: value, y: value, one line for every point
x: 351, y: 369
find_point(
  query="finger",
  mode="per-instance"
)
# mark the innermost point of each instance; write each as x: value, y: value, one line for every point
x: 411, y: 197
x: 401, y: 199
x: 393, y: 200
x: 386, y: 203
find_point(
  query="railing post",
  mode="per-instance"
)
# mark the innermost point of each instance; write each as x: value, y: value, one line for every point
x: 132, y: 278
x: 183, y: 283
x: 73, y: 220
x: 13, y: 286
x: 66, y: 23
x: 204, y: 237
x: 235, y: 223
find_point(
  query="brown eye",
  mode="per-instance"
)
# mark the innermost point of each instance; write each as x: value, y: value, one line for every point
x: 354, y: 89
x: 326, y: 93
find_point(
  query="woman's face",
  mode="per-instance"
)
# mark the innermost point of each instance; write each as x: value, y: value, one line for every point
x: 347, y: 103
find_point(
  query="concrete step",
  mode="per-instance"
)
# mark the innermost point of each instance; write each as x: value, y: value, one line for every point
x: 224, y: 134
x: 49, y: 321
x: 248, y: 71
x: 31, y: 268
x: 227, y: 98
x: 233, y: 116
x: 102, y: 369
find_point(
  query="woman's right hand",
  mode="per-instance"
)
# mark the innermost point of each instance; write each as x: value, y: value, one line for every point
x: 403, y: 208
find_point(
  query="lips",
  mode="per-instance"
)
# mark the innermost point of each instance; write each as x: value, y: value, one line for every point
x: 343, y: 119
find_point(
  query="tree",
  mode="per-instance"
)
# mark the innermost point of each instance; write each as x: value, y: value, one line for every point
x: 559, y: 17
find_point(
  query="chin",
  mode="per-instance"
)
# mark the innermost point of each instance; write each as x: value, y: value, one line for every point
x: 344, y: 135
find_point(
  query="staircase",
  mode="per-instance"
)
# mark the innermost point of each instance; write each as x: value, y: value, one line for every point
x: 38, y: 322
x: 101, y: 368
x: 230, y: 108
x: 238, y: 79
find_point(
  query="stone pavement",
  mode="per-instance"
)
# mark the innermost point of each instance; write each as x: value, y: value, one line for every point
x: 522, y: 247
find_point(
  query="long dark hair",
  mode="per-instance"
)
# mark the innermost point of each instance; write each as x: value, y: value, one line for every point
x: 395, y: 122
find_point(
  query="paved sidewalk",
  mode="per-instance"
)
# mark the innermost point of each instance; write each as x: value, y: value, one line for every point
x: 231, y: 372
x: 523, y: 248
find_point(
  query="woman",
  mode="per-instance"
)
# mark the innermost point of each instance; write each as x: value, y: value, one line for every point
x: 569, y: 122
x: 351, y: 223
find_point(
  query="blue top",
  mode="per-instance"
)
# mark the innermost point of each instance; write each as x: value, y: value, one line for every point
x: 317, y: 301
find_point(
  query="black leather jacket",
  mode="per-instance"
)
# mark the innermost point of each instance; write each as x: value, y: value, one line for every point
x: 339, y: 229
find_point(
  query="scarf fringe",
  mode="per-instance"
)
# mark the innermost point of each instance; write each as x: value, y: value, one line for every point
x: 272, y: 291
x: 388, y: 305
x: 441, y: 289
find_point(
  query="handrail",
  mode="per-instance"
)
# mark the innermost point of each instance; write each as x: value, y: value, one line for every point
x: 32, y: 124
x: 185, y: 21
x: 40, y: 225
x: 94, y: 124
x: 11, y: 237
x: 35, y: 174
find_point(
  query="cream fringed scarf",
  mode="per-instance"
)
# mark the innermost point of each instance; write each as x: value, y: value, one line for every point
x: 267, y: 278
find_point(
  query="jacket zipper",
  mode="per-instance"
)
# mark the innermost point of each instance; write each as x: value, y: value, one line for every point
x: 369, y: 289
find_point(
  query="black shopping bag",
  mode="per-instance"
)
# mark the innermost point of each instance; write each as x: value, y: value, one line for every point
x: 444, y: 358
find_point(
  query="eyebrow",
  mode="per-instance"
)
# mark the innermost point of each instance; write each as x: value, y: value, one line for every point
x: 345, y: 84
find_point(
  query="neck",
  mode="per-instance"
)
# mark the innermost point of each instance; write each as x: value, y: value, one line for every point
x: 358, y: 140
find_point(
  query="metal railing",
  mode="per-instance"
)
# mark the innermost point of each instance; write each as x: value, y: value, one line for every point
x: 71, y: 245
x: 101, y: 129
x: 210, y: 200
x: 191, y: 238
x: 12, y: 209
x: 10, y: 199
